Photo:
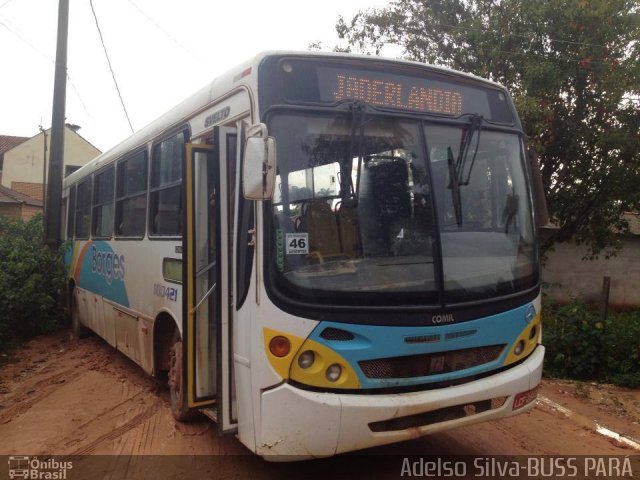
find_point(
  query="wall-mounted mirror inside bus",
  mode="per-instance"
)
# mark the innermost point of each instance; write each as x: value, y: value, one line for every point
x: 259, y: 168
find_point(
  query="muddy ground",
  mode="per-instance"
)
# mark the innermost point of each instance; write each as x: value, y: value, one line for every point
x: 81, y: 397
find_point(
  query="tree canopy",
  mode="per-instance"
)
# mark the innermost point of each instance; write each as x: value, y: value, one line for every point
x: 573, y: 69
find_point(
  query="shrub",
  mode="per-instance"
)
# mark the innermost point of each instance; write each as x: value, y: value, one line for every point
x: 580, y: 346
x: 30, y: 279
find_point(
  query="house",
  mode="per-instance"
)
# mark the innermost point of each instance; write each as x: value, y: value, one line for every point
x: 22, y: 160
x: 8, y: 142
x: 18, y: 205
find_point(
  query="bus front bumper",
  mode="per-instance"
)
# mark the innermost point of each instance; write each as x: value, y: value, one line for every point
x: 298, y: 424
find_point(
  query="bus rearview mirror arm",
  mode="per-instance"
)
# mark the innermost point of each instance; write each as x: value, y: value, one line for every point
x: 259, y: 164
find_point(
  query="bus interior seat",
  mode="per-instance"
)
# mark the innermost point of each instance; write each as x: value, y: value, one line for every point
x: 391, y: 194
x: 347, y: 216
x: 320, y: 222
x: 167, y: 222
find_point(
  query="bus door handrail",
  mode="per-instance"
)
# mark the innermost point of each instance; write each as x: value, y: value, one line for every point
x: 206, y: 295
x: 210, y: 291
x: 205, y: 269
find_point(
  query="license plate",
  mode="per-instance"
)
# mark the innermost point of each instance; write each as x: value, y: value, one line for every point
x: 436, y: 364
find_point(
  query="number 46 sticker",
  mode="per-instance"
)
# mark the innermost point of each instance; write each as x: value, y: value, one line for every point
x: 297, y: 243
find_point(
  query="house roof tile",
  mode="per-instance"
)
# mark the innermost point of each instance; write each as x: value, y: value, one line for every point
x: 11, y: 196
x: 7, y: 142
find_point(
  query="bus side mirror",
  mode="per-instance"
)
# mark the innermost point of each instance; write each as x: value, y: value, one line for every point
x: 259, y: 168
x: 540, y: 203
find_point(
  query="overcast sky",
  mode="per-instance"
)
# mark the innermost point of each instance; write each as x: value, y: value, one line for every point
x: 161, y: 52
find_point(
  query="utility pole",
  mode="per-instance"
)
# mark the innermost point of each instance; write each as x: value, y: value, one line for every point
x: 53, y: 201
x: 44, y: 168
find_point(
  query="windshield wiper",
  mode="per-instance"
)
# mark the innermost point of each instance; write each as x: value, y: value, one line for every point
x: 457, y: 168
x: 358, y: 120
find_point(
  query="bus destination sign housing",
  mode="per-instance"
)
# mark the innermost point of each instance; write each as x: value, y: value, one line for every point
x: 387, y: 86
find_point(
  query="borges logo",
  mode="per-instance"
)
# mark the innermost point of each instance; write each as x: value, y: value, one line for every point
x: 443, y: 318
x: 107, y: 264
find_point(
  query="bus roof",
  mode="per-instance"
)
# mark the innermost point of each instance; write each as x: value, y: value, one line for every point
x: 221, y: 85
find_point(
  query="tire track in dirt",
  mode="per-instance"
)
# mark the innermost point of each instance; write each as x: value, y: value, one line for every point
x: 100, y: 416
x: 145, y: 415
x: 24, y: 402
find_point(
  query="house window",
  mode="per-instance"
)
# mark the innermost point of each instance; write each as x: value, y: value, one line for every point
x: 103, y: 204
x: 69, y: 169
x: 165, y: 199
x: 131, y: 196
x: 83, y: 209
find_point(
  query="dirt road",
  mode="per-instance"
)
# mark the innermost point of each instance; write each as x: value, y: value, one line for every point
x: 67, y: 397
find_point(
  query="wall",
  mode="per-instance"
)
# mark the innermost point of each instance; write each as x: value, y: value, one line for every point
x: 34, y: 190
x: 24, y: 163
x: 28, y: 212
x: 11, y: 210
x: 570, y: 276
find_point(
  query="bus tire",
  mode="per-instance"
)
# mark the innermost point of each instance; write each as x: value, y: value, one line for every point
x: 177, y: 384
x: 77, y: 328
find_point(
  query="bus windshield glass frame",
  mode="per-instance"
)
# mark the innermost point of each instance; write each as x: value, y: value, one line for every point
x: 363, y: 215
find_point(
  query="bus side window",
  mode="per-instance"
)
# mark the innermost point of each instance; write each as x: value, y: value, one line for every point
x: 165, y: 200
x: 103, y: 204
x: 131, y: 196
x: 83, y: 210
x: 72, y: 213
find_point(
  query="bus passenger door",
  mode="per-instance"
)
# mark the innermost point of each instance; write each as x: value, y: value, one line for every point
x: 206, y: 325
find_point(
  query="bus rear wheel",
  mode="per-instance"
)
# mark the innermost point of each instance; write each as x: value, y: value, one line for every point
x: 78, y: 330
x: 177, y: 386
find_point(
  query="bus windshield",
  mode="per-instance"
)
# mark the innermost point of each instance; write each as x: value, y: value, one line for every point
x: 357, y: 218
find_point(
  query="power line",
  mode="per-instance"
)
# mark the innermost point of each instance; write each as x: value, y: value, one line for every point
x: 44, y: 55
x: 113, y: 75
x: 5, y: 3
x: 6, y: 24
x: 164, y: 31
x: 529, y: 36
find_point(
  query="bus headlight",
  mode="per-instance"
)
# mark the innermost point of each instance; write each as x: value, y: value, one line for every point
x: 519, y: 347
x: 333, y: 372
x: 306, y: 359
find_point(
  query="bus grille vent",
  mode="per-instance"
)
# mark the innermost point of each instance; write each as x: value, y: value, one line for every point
x: 423, y: 339
x: 459, y: 334
x: 437, y: 416
x: 336, y: 334
x: 430, y: 363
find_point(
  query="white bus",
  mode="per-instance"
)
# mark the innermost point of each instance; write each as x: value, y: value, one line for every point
x: 320, y: 252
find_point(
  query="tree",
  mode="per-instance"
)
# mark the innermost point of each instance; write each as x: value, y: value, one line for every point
x: 31, y: 276
x: 573, y: 68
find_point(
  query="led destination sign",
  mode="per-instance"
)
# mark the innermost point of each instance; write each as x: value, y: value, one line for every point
x: 398, y: 95
x: 386, y: 85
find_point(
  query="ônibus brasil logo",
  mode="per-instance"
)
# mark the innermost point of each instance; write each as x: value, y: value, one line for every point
x: 36, y: 469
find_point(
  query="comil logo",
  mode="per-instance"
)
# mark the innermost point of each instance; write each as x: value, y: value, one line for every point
x: 443, y: 318
x: 36, y: 469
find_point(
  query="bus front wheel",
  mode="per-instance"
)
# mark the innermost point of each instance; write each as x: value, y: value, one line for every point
x: 176, y: 381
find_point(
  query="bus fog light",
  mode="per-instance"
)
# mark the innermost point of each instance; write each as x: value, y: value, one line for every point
x: 533, y: 332
x: 519, y: 348
x: 280, y: 346
x: 333, y: 372
x: 306, y: 359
